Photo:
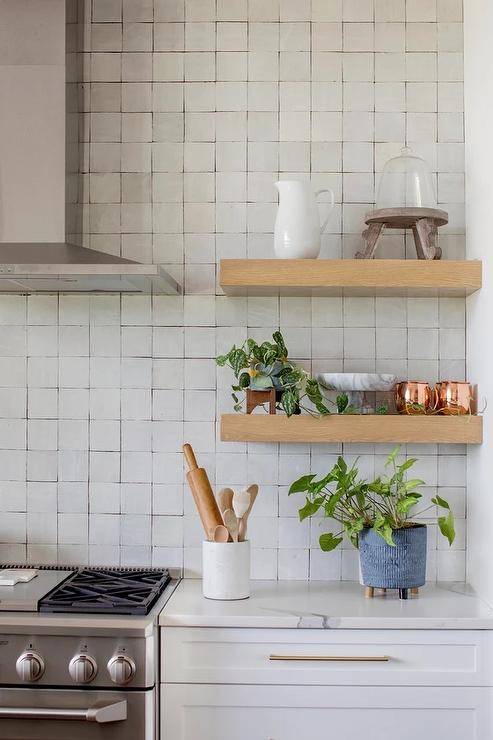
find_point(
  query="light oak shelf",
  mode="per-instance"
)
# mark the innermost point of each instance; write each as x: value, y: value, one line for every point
x: 352, y: 428
x: 351, y: 277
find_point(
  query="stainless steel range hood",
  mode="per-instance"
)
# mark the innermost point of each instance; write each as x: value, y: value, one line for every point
x: 66, y: 268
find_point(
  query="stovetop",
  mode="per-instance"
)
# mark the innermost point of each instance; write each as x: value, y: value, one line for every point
x: 81, y: 590
x: 101, y: 590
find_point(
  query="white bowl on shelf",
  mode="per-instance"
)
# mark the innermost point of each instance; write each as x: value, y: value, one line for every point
x: 357, y: 381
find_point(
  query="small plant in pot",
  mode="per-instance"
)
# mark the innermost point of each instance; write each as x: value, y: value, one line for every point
x: 267, y: 367
x: 376, y: 517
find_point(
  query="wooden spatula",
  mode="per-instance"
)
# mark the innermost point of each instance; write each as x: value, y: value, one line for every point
x: 231, y: 523
x: 242, y: 529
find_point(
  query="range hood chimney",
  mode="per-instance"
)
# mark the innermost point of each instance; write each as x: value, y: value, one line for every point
x: 31, y: 180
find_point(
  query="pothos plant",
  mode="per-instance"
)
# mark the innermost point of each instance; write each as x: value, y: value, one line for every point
x: 265, y: 366
x: 384, y: 504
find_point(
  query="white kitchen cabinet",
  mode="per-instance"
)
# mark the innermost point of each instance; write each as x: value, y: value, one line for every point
x: 337, y: 657
x: 222, y: 712
x: 432, y: 680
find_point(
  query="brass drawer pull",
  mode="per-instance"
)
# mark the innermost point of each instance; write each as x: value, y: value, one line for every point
x: 335, y: 658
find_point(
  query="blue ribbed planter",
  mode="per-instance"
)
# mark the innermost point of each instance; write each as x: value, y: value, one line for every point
x: 402, y: 566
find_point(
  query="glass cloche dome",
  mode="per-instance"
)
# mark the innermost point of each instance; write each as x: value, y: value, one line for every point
x: 406, y: 182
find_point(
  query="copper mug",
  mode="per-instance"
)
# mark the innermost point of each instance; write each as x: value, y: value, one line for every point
x: 455, y: 398
x: 414, y: 397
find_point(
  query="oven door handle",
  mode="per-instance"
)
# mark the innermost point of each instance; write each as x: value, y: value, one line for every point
x: 101, y: 712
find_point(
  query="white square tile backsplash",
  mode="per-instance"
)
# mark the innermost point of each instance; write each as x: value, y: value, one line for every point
x: 193, y: 109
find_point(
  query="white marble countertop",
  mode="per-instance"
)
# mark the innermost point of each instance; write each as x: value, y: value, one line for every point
x: 328, y: 605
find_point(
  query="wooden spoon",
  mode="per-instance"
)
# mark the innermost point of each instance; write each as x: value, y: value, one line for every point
x: 220, y: 534
x: 231, y: 523
x: 241, y: 502
x: 242, y: 530
x: 225, y: 499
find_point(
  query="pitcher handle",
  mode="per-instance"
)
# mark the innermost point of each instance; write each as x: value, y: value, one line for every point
x: 332, y: 202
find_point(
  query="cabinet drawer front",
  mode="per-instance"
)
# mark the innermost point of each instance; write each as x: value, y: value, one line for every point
x: 342, y: 657
x: 211, y: 712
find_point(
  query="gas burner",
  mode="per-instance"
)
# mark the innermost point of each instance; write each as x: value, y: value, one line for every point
x: 112, y: 590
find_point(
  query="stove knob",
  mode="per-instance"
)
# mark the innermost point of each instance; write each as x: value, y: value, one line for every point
x: 83, y: 668
x: 121, y: 669
x: 30, y: 666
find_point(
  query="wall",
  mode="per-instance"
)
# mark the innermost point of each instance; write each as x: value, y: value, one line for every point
x: 32, y: 74
x: 479, y: 158
x: 192, y: 111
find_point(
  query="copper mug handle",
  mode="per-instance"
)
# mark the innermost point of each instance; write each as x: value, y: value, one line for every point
x: 435, y: 397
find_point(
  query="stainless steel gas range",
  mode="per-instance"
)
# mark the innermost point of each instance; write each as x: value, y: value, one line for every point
x: 79, y: 654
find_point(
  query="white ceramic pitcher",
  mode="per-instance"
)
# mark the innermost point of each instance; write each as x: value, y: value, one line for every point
x: 297, y: 230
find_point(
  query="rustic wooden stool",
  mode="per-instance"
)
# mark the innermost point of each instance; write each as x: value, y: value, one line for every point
x: 424, y: 223
x: 258, y: 398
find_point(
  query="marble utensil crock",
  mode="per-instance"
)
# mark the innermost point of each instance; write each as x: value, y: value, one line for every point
x: 226, y: 570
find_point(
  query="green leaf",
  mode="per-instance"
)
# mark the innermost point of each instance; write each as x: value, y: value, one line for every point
x: 279, y: 340
x: 244, y: 380
x: 342, y: 402
x: 447, y: 528
x: 289, y: 378
x: 221, y: 360
x: 382, y: 410
x: 406, y: 465
x: 238, y: 360
x: 360, y: 499
x: 439, y: 501
x: 270, y: 356
x: 290, y: 401
x: 315, y: 395
x: 309, y: 509
x: 319, y: 485
x: 342, y: 465
x: 329, y: 542
x: 392, y: 456
x: 331, y: 503
x: 407, y: 503
x: 353, y: 529
x: 301, y: 485
x: 382, y: 526
x: 413, y: 483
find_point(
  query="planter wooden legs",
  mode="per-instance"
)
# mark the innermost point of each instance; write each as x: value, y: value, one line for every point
x: 403, y: 592
x: 259, y: 398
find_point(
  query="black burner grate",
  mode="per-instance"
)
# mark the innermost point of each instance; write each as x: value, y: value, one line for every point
x: 112, y: 590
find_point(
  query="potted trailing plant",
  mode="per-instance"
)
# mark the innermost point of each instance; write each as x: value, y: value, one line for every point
x: 376, y: 517
x: 267, y: 367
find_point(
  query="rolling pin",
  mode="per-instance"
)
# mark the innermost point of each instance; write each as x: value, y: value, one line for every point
x: 205, y: 501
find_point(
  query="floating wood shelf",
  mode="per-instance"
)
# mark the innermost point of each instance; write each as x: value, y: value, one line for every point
x: 352, y: 428
x: 351, y: 277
